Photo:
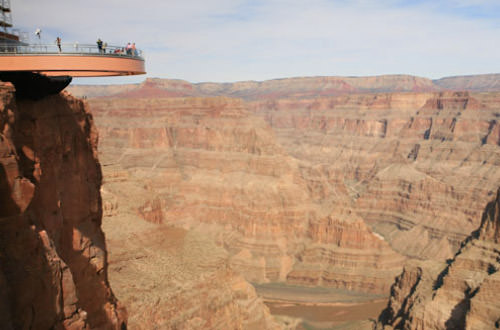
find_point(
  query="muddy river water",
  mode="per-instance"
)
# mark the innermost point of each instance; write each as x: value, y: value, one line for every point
x: 322, y: 308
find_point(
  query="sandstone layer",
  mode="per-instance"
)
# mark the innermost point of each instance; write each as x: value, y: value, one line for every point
x: 461, y: 294
x: 168, y: 277
x: 403, y: 159
x: 326, y: 181
x: 413, y: 166
x: 53, y: 259
x: 416, y: 165
x: 210, y: 164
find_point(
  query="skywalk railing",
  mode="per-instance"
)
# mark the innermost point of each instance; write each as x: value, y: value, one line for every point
x: 69, y: 49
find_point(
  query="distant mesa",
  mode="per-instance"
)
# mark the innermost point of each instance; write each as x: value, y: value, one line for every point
x: 31, y: 66
x: 473, y: 83
x: 295, y: 88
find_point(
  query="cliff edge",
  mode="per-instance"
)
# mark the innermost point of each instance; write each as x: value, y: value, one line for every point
x: 53, y: 258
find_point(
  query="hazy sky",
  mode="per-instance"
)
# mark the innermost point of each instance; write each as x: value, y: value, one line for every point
x: 233, y: 40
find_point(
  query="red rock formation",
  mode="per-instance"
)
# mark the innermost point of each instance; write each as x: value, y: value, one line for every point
x: 415, y: 166
x: 490, y: 223
x: 459, y: 295
x: 52, y: 252
x: 209, y: 163
x: 152, y: 211
x: 406, y: 159
x: 345, y: 254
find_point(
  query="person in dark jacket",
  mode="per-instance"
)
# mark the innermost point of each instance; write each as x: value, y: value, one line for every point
x: 99, y: 45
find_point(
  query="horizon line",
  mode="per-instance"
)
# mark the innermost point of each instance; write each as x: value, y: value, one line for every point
x: 291, y: 77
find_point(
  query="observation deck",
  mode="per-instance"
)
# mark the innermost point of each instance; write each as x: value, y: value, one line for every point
x: 72, y: 60
x: 37, y: 70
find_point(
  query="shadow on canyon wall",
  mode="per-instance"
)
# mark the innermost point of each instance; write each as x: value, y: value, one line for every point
x: 53, y: 254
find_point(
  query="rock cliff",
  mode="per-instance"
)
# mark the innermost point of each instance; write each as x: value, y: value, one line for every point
x: 458, y: 295
x: 169, y: 277
x: 53, y: 259
x: 416, y: 165
x: 321, y: 181
x: 209, y: 163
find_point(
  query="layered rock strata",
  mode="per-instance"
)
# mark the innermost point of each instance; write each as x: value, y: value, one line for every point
x: 209, y: 163
x: 405, y: 159
x: 288, y: 186
x: 458, y: 295
x: 53, y: 262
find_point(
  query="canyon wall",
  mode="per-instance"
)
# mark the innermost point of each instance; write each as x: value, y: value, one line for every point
x: 53, y: 259
x: 461, y: 294
x: 161, y: 170
x: 327, y: 181
x: 210, y: 164
x: 310, y: 191
x: 310, y: 181
x: 416, y: 166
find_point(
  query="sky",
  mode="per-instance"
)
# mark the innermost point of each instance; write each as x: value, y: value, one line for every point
x: 236, y: 40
